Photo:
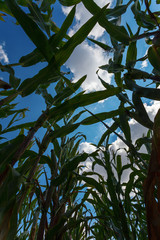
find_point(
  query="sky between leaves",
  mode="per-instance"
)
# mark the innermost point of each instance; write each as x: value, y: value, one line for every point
x: 85, y: 60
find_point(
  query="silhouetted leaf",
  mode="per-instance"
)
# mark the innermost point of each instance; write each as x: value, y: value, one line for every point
x: 45, y: 76
x: 100, y: 44
x: 142, y: 113
x: 31, y: 29
x: 69, y: 2
x: 68, y: 167
x: 124, y: 122
x: 117, y: 32
x: 64, y: 53
x: 81, y: 100
x: 154, y: 57
x: 131, y: 55
x: 91, y: 182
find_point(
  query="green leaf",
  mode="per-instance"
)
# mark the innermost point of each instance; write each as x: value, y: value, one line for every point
x: 142, y: 113
x: 8, y: 149
x: 58, y: 37
x: 154, y: 57
x: 31, y: 29
x: 69, y: 2
x: 91, y: 182
x: 112, y: 67
x: 129, y: 30
x: 100, y: 44
x: 68, y: 91
x: 64, y: 53
x: 19, y: 115
x: 142, y: 19
x: 68, y: 167
x: 5, y: 111
x: 32, y: 58
x: 64, y: 130
x: 4, y: 8
x: 66, y: 217
x: 46, y: 4
x: 117, y: 32
x: 102, y: 116
x: 36, y: 14
x: 57, y: 149
x: 124, y: 125
x: 129, y: 186
x: 150, y: 93
x: 80, y: 101
x: 116, y: 12
x: 119, y: 164
x: 110, y: 186
x: 131, y: 55
x: 45, y: 76
x: 122, y: 96
x: 113, y: 127
x: 14, y: 82
x: 144, y: 141
x: 19, y: 127
x: 76, y: 117
x: 139, y: 74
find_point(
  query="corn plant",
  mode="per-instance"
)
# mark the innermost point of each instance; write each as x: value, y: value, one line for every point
x: 56, y: 209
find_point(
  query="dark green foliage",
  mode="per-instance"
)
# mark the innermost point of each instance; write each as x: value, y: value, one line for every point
x: 74, y: 202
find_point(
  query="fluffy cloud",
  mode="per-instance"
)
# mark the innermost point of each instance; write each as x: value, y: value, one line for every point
x: 144, y: 64
x: 86, y: 147
x: 86, y: 60
x: 3, y: 54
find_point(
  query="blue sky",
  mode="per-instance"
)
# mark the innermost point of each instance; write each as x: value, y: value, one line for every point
x: 85, y: 60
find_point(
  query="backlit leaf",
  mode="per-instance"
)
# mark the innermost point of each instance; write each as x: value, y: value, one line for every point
x: 117, y: 32
x: 131, y: 55
x: 64, y: 53
x: 31, y: 29
x: 154, y: 57
x: 142, y: 113
x: 82, y: 100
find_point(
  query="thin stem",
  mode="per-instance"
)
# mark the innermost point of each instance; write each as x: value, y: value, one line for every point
x: 144, y: 35
x: 151, y: 14
x: 10, y: 65
x: 25, y: 144
x: 29, y: 137
x: 44, y: 214
x: 8, y: 99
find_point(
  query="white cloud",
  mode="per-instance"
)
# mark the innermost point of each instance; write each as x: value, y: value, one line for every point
x: 86, y: 147
x: 3, y: 54
x: 144, y: 64
x: 86, y: 60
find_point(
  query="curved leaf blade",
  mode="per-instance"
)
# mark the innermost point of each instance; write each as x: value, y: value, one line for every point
x: 31, y: 29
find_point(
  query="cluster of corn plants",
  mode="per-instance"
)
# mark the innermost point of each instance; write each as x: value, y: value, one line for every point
x: 32, y: 208
x: 61, y: 206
